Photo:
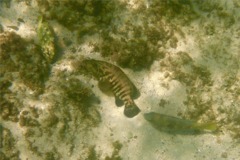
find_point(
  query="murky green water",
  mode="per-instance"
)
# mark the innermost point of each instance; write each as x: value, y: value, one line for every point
x: 182, y: 57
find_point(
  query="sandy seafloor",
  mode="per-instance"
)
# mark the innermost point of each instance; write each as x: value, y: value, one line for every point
x: 118, y: 137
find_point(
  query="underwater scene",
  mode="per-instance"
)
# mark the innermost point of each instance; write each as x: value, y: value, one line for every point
x: 119, y: 79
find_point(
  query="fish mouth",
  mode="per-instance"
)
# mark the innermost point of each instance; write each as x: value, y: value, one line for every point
x: 148, y: 116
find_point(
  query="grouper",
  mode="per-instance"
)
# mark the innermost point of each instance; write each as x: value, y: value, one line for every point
x: 112, y: 80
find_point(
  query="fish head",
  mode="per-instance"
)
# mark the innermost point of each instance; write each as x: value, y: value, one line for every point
x: 148, y: 116
x: 91, y: 66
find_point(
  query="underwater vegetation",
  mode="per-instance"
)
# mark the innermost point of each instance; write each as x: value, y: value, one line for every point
x: 134, y: 46
x: 84, y: 16
x: 205, y: 86
x: 115, y: 154
x: 24, y: 59
x: 77, y: 94
x: 24, y: 75
x: 21, y: 63
x: 70, y: 109
x: 131, y: 40
x: 117, y: 146
x: 54, y: 106
x: 1, y: 28
x: 135, y: 41
x: 47, y: 41
x: 134, y: 53
x: 6, y: 3
x: 175, y: 125
x: 7, y: 145
x: 196, y: 78
x: 9, y: 110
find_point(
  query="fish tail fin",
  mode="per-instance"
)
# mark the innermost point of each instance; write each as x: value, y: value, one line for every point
x: 131, y: 110
x: 209, y: 126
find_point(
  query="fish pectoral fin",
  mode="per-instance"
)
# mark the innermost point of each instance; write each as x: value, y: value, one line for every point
x: 135, y: 94
x: 105, y: 87
x: 118, y: 102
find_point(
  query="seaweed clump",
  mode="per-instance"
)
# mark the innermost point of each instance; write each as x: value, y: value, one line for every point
x: 126, y: 35
x: 93, y: 155
x: 8, y: 110
x: 174, y: 10
x: 134, y: 41
x: 78, y: 94
x: 7, y: 145
x: 198, y: 82
x: 202, y: 102
x: 47, y: 40
x: 70, y: 110
x: 85, y: 16
x: 117, y: 148
x: 67, y: 108
x: 6, y: 3
x: 133, y: 45
x: 132, y: 53
x: 22, y: 67
x: 24, y: 58
x: 229, y: 109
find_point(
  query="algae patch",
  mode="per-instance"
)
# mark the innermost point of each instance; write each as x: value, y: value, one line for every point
x: 23, y: 59
x: 7, y: 145
x: 47, y: 41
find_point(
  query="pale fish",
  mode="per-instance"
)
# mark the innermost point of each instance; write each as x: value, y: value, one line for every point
x: 175, y: 125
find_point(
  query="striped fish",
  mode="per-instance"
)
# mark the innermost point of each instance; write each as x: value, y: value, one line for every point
x: 111, y: 79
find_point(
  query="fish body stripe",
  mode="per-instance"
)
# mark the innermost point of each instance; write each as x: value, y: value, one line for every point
x: 120, y: 84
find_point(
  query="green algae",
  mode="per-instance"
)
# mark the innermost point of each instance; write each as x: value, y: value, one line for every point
x: 47, y: 40
x: 7, y: 145
x: 25, y: 58
x: 71, y: 109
